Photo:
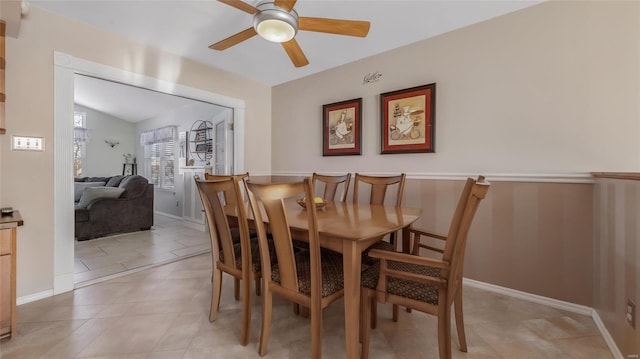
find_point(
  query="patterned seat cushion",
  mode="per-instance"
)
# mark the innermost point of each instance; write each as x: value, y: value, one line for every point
x: 401, y: 287
x: 383, y: 245
x: 332, y: 273
x: 235, y: 234
x: 255, y: 254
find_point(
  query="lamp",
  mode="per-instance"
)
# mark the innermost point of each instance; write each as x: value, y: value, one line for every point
x: 275, y: 24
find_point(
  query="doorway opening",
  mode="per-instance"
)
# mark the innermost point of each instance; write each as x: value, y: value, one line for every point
x: 115, y: 116
x: 66, y: 67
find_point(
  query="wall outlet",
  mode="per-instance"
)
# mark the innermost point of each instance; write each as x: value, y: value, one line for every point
x: 631, y: 313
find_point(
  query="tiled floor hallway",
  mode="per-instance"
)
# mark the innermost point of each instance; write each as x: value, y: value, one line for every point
x: 162, y: 312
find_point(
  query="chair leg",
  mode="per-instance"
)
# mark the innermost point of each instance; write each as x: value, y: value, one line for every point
x: 457, y: 305
x: 296, y: 308
x: 236, y: 288
x: 444, y: 329
x: 258, y: 281
x: 368, y: 302
x: 316, y: 331
x: 266, y: 322
x: 396, y: 310
x: 363, y: 308
x: 305, y: 312
x: 216, y: 287
x: 246, y: 312
x: 374, y: 313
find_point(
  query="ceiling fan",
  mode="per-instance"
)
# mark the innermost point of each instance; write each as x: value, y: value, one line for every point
x: 277, y: 21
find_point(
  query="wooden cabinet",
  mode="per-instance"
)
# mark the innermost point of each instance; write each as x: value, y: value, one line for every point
x: 2, y: 64
x: 8, y: 237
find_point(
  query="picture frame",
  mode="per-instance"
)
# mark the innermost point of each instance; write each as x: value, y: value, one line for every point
x: 129, y: 169
x: 407, y: 123
x: 342, y: 128
x: 201, y: 147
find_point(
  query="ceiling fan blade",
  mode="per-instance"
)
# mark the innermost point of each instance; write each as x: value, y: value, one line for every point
x: 295, y: 53
x: 335, y: 26
x: 285, y: 4
x: 234, y: 39
x: 240, y: 5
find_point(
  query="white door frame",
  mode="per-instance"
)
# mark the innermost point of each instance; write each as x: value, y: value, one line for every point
x: 65, y: 68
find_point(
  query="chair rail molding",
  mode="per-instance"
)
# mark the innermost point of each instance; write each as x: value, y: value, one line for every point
x: 585, y: 177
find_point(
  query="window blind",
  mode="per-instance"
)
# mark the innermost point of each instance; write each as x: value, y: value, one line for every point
x: 160, y: 156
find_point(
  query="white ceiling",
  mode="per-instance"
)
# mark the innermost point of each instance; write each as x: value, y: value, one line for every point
x: 125, y: 102
x: 187, y: 28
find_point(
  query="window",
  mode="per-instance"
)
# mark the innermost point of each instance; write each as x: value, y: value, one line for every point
x: 161, y: 164
x: 159, y: 147
x: 80, y: 139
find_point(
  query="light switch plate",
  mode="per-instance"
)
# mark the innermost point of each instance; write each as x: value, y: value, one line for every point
x: 27, y: 143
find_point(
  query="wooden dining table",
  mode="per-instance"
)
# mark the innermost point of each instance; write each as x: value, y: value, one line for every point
x: 349, y: 229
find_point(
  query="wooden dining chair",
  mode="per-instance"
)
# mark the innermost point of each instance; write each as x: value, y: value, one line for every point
x: 239, y: 259
x: 378, y: 186
x: 426, y: 284
x: 230, y: 200
x: 308, y: 278
x: 229, y: 203
x: 331, y: 184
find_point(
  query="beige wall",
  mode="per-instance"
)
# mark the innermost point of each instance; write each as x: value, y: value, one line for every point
x: 527, y: 236
x: 532, y: 237
x: 553, y: 88
x: 617, y: 258
x: 27, y: 178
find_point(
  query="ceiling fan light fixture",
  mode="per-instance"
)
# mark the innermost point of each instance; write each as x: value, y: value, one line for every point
x: 274, y: 24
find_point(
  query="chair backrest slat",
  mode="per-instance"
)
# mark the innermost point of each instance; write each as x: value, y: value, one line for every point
x: 454, y: 251
x: 271, y: 198
x: 379, y: 186
x: 331, y: 185
x: 212, y: 193
x: 229, y: 198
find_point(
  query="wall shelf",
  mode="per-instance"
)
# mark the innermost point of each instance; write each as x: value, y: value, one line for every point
x: 200, y: 141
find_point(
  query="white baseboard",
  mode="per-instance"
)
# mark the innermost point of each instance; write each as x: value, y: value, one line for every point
x: 615, y: 351
x: 194, y: 225
x: 168, y: 215
x: 33, y: 297
x: 554, y: 303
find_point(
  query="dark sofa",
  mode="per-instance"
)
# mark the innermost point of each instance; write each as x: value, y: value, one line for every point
x: 126, y: 206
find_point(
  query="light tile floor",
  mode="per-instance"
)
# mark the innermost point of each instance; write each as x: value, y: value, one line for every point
x: 168, y: 240
x: 162, y: 312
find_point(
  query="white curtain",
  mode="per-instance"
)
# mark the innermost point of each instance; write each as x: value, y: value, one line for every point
x: 158, y: 135
x: 81, y: 134
x: 161, y: 134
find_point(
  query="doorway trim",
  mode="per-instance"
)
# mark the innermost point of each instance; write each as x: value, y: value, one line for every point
x: 65, y: 68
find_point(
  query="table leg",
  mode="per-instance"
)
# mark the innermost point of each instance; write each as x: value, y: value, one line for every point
x: 352, y: 264
x: 406, y: 240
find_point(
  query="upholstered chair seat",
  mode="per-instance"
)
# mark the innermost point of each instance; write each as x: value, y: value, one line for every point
x: 332, y: 273
x: 423, y: 292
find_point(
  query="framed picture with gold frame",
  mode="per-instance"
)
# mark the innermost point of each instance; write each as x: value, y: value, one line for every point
x: 341, y: 128
x: 408, y: 120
